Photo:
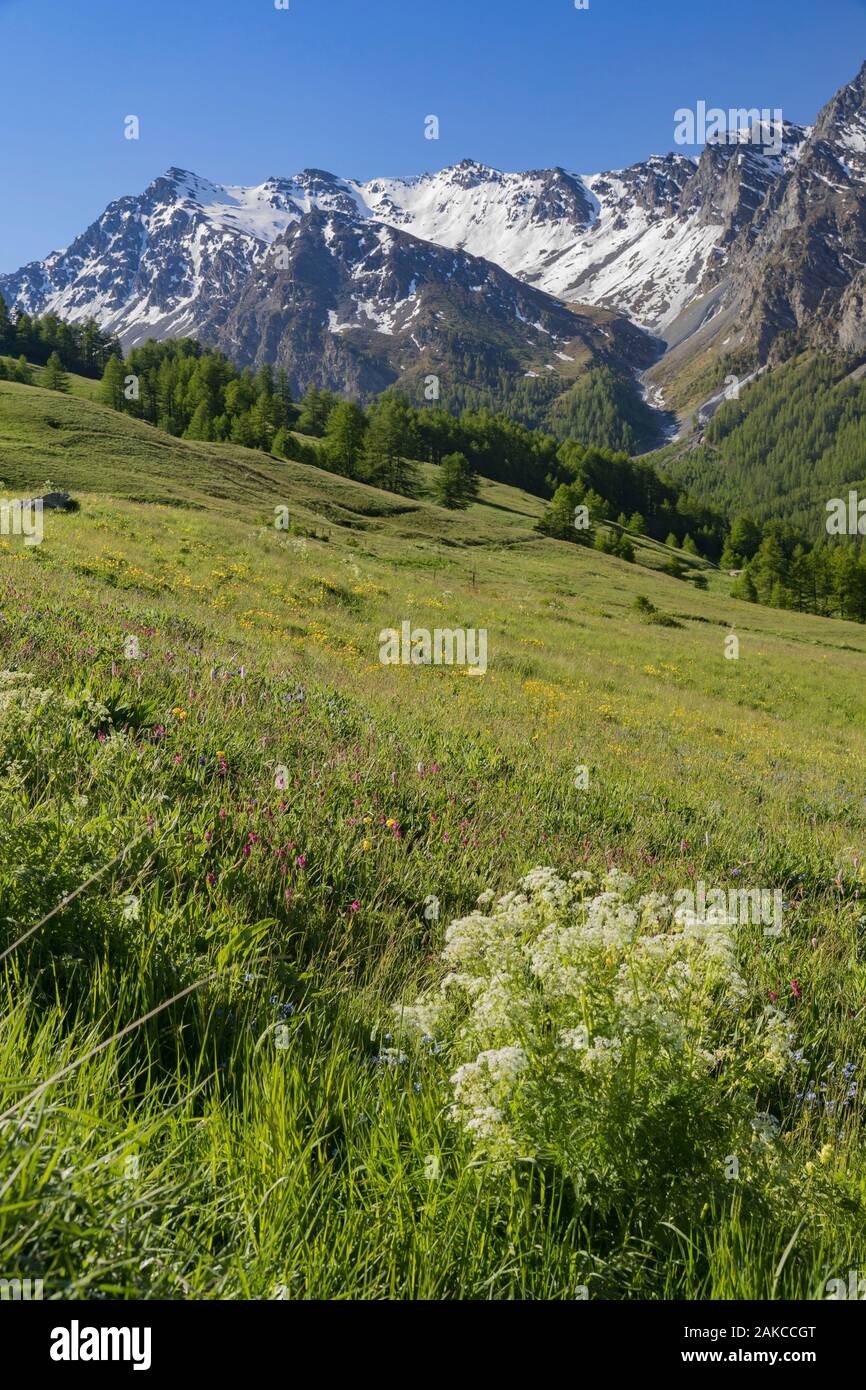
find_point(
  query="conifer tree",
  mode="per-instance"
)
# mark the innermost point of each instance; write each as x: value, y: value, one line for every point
x: 54, y: 376
x: 456, y: 485
x: 7, y: 328
x: 390, y: 440
x: 113, y: 378
x: 344, y: 437
x: 316, y: 406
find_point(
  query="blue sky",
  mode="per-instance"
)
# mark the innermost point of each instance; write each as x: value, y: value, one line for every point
x: 237, y: 90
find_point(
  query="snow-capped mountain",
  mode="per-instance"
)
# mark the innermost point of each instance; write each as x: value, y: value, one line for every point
x: 796, y: 269
x: 640, y: 241
x: 355, y: 305
x: 153, y: 265
x: 301, y: 273
x: 740, y: 248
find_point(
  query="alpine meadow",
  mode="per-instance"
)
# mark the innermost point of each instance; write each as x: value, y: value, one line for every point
x: 433, y: 687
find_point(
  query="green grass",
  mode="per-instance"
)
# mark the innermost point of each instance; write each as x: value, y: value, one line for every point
x: 84, y: 388
x: 259, y: 1167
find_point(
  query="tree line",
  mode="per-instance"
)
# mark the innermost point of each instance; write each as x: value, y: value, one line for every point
x: 81, y: 347
x: 783, y: 568
x: 198, y: 394
x: 604, y: 487
x: 597, y: 495
x: 791, y: 440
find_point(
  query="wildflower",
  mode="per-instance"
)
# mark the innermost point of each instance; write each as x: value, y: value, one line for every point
x: 211, y: 878
x: 390, y: 1058
x: 766, y: 1127
x: 301, y: 861
x: 356, y: 907
x: 795, y: 989
x: 571, y: 1006
x: 179, y: 713
x: 391, y: 823
x: 365, y: 844
x: 421, y: 1019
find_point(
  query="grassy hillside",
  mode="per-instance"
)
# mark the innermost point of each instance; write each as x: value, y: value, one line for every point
x: 263, y: 815
x: 85, y: 388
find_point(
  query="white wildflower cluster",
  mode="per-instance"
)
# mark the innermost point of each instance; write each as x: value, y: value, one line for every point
x: 483, y: 1094
x: 578, y: 1008
x: 20, y: 700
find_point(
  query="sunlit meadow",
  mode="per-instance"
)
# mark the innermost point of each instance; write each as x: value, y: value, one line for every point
x: 233, y: 841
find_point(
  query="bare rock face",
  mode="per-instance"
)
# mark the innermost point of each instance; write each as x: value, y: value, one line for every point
x: 350, y: 304
x: 796, y: 265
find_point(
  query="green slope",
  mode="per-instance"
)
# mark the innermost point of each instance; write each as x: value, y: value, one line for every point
x: 304, y: 1163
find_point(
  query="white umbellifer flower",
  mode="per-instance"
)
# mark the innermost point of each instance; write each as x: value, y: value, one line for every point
x: 421, y: 1019
x: 603, y: 1055
x: 497, y: 1005
x: 618, y: 882
x: 614, y: 920
x: 546, y: 886
x: 485, y: 1123
x: 538, y: 879
x: 655, y: 910
x: 492, y: 1070
x: 481, y: 1091
x: 573, y: 1011
x: 20, y: 700
x: 506, y: 1064
x: 773, y: 1034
